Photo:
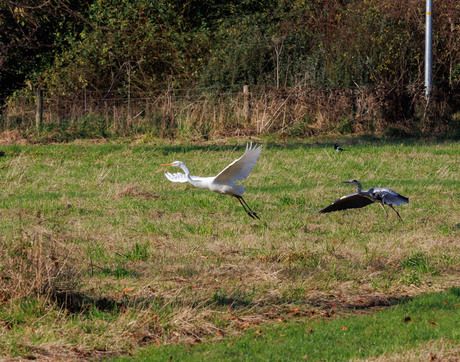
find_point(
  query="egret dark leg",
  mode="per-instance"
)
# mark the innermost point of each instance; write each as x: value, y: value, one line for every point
x: 244, y: 206
x: 386, y: 213
x: 247, y: 208
x: 397, y: 213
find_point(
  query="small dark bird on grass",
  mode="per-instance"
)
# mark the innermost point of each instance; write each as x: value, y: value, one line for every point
x: 337, y: 148
x: 2, y: 154
x: 361, y: 198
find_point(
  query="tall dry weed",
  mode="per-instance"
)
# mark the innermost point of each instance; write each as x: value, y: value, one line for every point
x: 37, y: 264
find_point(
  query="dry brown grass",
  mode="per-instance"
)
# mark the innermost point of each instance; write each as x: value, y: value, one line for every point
x: 440, y: 350
x: 11, y: 137
x: 38, y: 264
x: 298, y: 111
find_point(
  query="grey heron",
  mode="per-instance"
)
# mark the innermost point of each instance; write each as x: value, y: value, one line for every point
x: 224, y: 182
x: 361, y: 198
x: 337, y: 148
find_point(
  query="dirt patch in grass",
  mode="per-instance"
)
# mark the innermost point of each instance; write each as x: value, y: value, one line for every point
x: 89, y: 142
x: 135, y: 191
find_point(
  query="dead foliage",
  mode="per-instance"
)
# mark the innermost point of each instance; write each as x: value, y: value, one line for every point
x: 11, y: 137
x: 300, y: 111
x: 40, y: 264
x: 434, y: 350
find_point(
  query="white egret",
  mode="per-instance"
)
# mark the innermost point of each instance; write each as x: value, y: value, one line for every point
x: 361, y: 198
x: 225, y: 181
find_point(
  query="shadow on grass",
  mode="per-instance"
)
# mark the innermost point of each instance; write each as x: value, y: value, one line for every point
x: 293, y: 144
x: 235, y: 299
x: 276, y: 144
x: 77, y: 302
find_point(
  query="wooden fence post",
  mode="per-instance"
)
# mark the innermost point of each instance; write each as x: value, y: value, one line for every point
x: 39, y: 111
x: 147, y: 108
x: 129, y: 94
x: 246, y: 101
x: 85, y: 100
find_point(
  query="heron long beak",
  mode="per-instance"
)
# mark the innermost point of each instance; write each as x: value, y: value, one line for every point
x: 167, y: 164
x: 347, y: 182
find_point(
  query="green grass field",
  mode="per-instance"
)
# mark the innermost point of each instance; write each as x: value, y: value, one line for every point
x: 103, y: 255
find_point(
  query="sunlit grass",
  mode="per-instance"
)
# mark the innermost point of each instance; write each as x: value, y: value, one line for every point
x: 176, y: 262
x: 393, y: 332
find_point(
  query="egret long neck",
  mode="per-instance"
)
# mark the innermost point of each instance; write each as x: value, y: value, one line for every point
x: 185, y: 169
x: 187, y: 173
x: 359, y: 187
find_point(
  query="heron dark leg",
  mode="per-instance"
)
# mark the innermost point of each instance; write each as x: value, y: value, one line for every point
x: 386, y: 213
x: 247, y: 208
x: 397, y: 213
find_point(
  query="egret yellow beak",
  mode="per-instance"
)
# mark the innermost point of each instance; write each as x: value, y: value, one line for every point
x: 167, y: 164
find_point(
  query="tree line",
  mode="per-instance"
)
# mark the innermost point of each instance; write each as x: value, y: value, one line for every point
x: 101, y: 46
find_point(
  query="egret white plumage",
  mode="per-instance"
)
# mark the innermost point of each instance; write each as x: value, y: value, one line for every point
x: 225, y: 181
x: 361, y: 198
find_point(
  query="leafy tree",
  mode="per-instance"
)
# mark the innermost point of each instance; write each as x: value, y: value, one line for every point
x: 30, y: 35
x: 139, y: 44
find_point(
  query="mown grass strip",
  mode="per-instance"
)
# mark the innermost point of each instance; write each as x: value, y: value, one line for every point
x: 394, y: 330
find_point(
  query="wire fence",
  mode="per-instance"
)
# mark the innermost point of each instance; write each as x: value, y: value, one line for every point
x: 121, y: 110
x: 298, y: 110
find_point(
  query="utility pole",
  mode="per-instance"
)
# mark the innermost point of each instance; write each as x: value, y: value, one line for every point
x: 428, y: 47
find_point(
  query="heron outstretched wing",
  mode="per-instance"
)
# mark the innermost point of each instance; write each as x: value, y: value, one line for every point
x: 241, y: 168
x: 389, y: 197
x: 351, y: 201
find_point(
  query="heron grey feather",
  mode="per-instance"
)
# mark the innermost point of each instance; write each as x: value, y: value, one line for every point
x: 351, y: 201
x: 362, y: 198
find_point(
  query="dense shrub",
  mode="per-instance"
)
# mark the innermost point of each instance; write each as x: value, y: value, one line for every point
x: 119, y: 48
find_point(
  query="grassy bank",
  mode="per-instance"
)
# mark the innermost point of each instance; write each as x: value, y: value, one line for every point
x: 102, y: 254
x: 426, y: 327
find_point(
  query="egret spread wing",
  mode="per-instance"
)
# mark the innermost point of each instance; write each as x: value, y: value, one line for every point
x: 241, y: 168
x: 181, y: 177
x: 176, y: 177
x: 351, y: 201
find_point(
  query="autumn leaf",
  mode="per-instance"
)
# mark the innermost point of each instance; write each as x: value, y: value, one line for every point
x: 193, y: 341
